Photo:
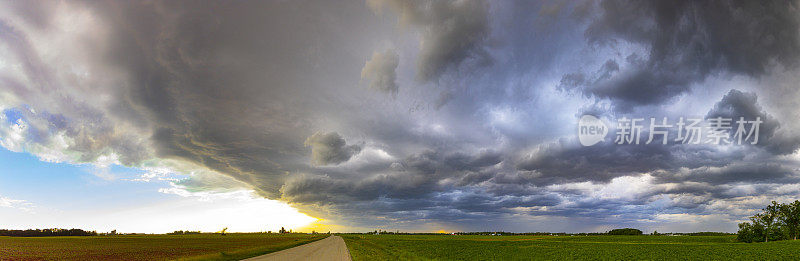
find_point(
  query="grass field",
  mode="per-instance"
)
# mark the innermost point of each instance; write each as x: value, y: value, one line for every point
x: 149, y: 247
x: 451, y: 247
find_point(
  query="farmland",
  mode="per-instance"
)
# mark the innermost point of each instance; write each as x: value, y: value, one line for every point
x: 149, y: 247
x: 395, y: 247
x: 458, y: 247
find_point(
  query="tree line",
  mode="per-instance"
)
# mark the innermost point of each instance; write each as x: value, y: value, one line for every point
x: 181, y: 232
x: 625, y: 232
x: 48, y: 232
x: 775, y: 222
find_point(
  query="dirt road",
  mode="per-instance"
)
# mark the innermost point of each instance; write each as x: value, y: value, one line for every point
x: 330, y: 248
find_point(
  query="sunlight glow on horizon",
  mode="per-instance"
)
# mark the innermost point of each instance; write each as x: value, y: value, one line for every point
x: 239, y: 211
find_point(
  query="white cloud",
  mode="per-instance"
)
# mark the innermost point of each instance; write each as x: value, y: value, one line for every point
x: 379, y: 71
x: 17, y: 204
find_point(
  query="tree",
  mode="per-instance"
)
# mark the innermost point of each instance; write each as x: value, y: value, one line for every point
x: 790, y: 217
x: 282, y: 231
x: 775, y: 222
x: 748, y: 233
x: 625, y: 231
x: 768, y: 218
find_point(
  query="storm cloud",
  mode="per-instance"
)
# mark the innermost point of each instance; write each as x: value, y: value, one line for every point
x: 666, y: 47
x: 479, y: 127
x: 330, y: 148
x: 451, y: 32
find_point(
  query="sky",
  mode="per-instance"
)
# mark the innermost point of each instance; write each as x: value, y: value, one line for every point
x: 154, y: 116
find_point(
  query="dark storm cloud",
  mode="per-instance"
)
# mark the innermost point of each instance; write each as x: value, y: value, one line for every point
x: 567, y: 161
x: 571, y: 162
x: 452, y: 32
x: 222, y: 85
x: 461, y: 161
x: 330, y: 148
x: 735, y: 172
x: 416, y: 176
x: 736, y: 104
x: 687, y: 41
x: 269, y: 94
x: 432, y: 184
x: 226, y: 84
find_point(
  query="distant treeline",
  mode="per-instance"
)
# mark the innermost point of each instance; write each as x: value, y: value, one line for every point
x: 775, y: 222
x: 621, y: 231
x: 181, y: 232
x: 703, y: 234
x: 625, y: 232
x: 50, y: 232
x: 484, y: 233
x: 503, y: 233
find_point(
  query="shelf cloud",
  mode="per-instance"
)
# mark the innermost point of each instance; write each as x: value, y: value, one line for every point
x: 479, y: 126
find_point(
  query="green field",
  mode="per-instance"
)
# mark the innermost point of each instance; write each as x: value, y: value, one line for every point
x: 457, y: 247
x: 149, y: 247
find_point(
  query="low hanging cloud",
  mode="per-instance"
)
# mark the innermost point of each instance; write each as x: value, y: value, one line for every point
x: 330, y: 148
x: 379, y: 71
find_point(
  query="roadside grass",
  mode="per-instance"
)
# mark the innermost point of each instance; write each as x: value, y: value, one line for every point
x: 462, y: 247
x: 234, y: 246
x: 253, y: 252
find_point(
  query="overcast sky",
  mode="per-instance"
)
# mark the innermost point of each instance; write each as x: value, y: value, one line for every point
x: 410, y: 115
